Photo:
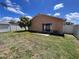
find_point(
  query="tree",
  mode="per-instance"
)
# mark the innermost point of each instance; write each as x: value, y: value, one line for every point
x: 69, y: 23
x: 12, y: 22
x: 24, y: 21
x: 29, y: 24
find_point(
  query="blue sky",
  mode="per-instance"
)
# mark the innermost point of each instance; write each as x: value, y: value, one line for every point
x: 68, y: 9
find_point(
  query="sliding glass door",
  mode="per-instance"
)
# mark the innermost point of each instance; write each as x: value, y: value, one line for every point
x: 46, y: 27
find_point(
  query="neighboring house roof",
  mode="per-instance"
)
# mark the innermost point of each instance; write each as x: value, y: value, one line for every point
x: 47, y: 16
x: 5, y: 23
x: 69, y: 23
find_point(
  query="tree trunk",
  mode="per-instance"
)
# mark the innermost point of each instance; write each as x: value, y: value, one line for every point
x: 25, y: 28
x: 28, y: 28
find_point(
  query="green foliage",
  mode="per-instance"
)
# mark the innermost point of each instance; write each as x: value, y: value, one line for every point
x: 69, y: 23
x: 29, y: 23
x: 12, y: 22
x: 24, y: 21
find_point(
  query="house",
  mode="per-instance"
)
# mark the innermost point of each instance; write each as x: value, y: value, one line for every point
x: 15, y: 27
x: 47, y: 24
x: 4, y: 27
x: 7, y: 27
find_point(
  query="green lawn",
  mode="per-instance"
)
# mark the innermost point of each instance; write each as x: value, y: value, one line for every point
x: 26, y: 45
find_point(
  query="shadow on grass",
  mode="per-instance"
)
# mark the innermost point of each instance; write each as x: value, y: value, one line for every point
x: 22, y: 31
x: 56, y: 34
x: 40, y: 32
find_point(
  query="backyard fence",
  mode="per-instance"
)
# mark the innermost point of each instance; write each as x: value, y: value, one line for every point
x: 76, y: 31
x: 72, y: 29
x: 68, y: 29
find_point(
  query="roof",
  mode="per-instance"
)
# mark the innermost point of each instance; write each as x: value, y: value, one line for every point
x: 47, y: 16
x: 5, y: 23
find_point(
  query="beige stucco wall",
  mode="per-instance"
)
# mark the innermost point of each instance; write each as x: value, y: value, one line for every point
x: 37, y: 22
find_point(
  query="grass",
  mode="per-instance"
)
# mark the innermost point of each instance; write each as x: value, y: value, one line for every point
x: 26, y: 45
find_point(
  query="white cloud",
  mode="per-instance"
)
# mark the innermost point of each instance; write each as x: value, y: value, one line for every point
x: 49, y: 14
x: 14, y: 8
x: 58, y: 6
x: 27, y: 1
x: 7, y: 19
x: 15, y: 11
x: 72, y: 17
x: 8, y: 2
x: 30, y: 17
x: 17, y: 19
x: 57, y: 14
